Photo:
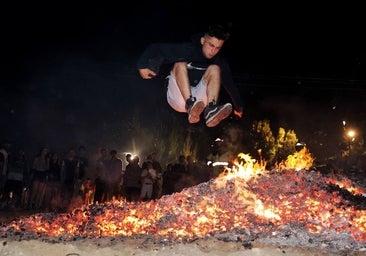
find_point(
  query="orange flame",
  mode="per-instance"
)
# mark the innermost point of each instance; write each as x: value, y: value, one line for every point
x: 297, y: 161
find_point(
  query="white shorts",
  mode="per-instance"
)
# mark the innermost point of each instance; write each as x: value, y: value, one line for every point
x: 175, y: 98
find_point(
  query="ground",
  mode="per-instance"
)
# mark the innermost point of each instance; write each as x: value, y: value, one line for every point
x: 138, y: 247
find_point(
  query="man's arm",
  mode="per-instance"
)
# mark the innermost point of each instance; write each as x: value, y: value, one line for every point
x: 156, y: 54
x: 231, y: 89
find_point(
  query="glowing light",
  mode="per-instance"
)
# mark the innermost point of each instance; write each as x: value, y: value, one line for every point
x: 351, y: 134
x: 217, y: 163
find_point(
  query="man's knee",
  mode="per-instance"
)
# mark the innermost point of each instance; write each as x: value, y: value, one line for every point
x: 212, y: 73
x: 178, y: 66
x: 213, y: 69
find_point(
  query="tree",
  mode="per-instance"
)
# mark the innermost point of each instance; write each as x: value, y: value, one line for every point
x: 273, y: 149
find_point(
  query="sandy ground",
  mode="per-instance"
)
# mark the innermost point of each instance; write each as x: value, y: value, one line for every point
x: 138, y: 247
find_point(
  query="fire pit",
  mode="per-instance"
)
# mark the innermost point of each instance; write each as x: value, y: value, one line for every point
x: 245, y: 209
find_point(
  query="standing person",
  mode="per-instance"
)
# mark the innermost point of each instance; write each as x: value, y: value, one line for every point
x: 114, y: 176
x: 132, y: 178
x: 84, y: 163
x: 101, y: 176
x: 39, y: 172
x: 148, y: 178
x: 158, y: 185
x: 180, y: 174
x: 196, y: 77
x: 17, y: 178
x: 69, y: 173
x: 53, y: 195
x: 88, y: 189
x: 168, y: 180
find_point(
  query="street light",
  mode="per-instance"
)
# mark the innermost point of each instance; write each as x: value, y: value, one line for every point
x: 351, y: 134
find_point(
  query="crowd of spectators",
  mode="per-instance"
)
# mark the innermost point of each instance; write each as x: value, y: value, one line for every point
x: 59, y: 182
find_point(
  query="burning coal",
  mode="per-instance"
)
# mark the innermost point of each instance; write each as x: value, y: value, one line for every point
x: 244, y: 203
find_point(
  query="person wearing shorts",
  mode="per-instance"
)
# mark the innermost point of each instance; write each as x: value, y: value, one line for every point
x: 198, y: 72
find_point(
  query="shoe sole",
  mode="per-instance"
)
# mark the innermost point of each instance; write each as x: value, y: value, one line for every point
x: 223, y: 113
x: 194, y: 114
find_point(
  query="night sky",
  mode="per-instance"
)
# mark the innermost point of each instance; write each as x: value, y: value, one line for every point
x: 68, y: 71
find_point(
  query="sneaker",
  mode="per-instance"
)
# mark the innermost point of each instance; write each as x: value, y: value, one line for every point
x: 194, y: 109
x: 214, y: 113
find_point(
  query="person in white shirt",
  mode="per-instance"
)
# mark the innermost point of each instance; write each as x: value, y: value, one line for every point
x: 148, y: 177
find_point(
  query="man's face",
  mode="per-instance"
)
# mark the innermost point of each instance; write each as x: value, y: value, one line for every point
x: 211, y: 46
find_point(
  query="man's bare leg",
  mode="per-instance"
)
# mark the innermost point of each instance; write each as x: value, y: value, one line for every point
x: 180, y: 73
x: 213, y: 80
x: 194, y: 107
x: 214, y: 113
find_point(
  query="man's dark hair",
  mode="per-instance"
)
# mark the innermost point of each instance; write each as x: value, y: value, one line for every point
x: 218, y: 31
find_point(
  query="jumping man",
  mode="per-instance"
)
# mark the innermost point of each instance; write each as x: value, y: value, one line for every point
x: 197, y: 74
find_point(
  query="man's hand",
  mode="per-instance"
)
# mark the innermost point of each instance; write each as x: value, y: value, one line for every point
x: 238, y: 113
x: 146, y: 73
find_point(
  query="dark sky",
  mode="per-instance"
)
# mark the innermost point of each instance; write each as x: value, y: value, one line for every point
x: 300, y: 40
x: 68, y: 70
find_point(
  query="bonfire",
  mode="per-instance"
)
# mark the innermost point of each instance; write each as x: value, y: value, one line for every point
x: 292, y: 204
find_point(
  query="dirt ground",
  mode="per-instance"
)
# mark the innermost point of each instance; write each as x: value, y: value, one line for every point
x: 136, y: 247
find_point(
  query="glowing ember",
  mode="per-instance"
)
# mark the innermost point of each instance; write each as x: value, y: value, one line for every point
x: 245, y: 200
